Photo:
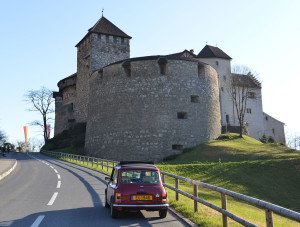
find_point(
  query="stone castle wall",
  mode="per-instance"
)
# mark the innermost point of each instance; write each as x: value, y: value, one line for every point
x: 135, y: 117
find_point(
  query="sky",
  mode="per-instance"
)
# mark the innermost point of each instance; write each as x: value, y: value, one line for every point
x: 38, y: 38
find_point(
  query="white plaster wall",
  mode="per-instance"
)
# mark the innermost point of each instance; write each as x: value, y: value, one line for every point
x: 274, y: 128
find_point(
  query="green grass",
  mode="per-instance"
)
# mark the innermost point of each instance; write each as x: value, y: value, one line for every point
x: 270, y: 172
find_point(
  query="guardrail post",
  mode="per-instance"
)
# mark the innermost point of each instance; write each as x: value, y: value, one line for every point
x: 196, y: 194
x: 163, y: 178
x: 97, y: 162
x: 224, y: 206
x: 177, y: 187
x: 107, y: 166
x: 92, y: 162
x: 269, y: 218
x: 102, y: 164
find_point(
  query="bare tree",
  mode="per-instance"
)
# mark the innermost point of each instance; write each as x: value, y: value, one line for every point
x: 242, y: 83
x: 2, y: 137
x: 41, y: 101
x: 20, y: 146
x: 293, y: 139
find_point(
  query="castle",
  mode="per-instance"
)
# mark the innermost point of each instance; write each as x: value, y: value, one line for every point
x: 151, y: 107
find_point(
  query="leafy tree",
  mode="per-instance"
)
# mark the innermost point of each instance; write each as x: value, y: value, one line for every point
x: 41, y: 101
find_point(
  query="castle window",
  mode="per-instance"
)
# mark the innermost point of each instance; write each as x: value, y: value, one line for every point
x: 201, y: 72
x: 224, y: 77
x: 163, y: 63
x: 267, y: 118
x: 249, y: 110
x: 195, y: 98
x: 115, y: 40
x: 222, y: 89
x: 251, y: 95
x: 127, y: 67
x: 122, y: 41
x: 107, y: 38
x: 273, y: 130
x: 182, y: 115
x: 72, y: 106
x: 177, y: 147
x: 99, y: 37
x: 217, y: 63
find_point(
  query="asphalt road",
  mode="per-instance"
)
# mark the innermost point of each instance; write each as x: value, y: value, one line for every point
x: 47, y: 192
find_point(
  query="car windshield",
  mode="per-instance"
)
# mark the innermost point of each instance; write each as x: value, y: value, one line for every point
x: 139, y: 177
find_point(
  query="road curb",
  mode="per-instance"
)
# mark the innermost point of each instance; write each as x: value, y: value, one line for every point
x: 179, y: 215
x: 5, y: 174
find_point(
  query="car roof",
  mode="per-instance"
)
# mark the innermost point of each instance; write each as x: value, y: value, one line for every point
x: 137, y: 166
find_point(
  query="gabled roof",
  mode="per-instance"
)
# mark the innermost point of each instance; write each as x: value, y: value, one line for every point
x: 212, y: 52
x: 105, y: 27
x: 245, y: 81
x: 182, y: 54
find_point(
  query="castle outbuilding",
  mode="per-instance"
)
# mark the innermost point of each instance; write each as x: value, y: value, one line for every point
x: 151, y: 107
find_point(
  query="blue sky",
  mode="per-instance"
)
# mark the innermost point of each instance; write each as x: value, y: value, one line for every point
x: 38, y: 38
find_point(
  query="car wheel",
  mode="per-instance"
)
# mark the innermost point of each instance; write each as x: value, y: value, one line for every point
x: 106, y: 203
x: 163, y: 213
x: 113, y: 212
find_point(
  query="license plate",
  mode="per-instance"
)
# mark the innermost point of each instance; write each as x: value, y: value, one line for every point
x: 141, y: 197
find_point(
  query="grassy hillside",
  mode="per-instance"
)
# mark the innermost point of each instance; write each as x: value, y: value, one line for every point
x: 270, y: 172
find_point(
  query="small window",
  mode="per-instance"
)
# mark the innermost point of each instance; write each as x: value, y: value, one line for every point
x: 222, y: 89
x: 249, y: 110
x: 266, y: 118
x: 273, y: 130
x: 122, y: 41
x: 115, y: 40
x: 107, y: 38
x: 163, y: 64
x: 182, y: 115
x: 177, y: 147
x: 72, y: 106
x: 195, y: 98
x: 217, y: 63
x: 99, y: 37
x: 224, y: 77
x: 251, y: 95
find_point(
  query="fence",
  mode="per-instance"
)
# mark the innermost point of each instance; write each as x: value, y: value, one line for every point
x: 269, y: 208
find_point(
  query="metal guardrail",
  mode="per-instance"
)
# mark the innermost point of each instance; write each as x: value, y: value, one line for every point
x: 269, y: 207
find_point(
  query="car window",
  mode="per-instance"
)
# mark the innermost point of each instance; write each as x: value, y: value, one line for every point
x: 115, y: 176
x: 139, y: 177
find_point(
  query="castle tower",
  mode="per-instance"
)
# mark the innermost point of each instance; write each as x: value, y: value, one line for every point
x: 102, y: 45
x: 221, y: 62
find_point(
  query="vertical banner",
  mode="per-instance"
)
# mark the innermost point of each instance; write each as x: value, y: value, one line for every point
x: 25, y: 133
x: 48, y: 131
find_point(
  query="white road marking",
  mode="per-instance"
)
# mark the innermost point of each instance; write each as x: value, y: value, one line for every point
x: 52, y: 167
x: 38, y: 221
x: 58, y: 184
x: 58, y: 176
x: 47, y: 163
x: 55, y: 171
x: 52, y: 199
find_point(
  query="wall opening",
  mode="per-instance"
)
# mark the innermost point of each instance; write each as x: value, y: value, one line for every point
x: 195, y: 99
x: 127, y: 67
x: 201, y: 71
x: 182, y: 115
x: 177, y: 147
x: 163, y: 65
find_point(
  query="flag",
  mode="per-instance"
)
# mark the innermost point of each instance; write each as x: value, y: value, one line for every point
x: 25, y: 133
x: 48, y: 131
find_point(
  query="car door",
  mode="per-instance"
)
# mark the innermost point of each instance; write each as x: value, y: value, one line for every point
x: 112, y: 184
